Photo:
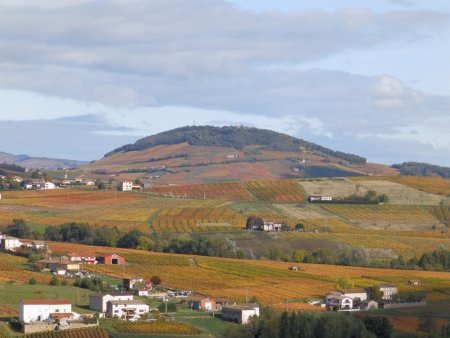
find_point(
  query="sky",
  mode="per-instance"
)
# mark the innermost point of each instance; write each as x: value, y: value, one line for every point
x: 79, y: 78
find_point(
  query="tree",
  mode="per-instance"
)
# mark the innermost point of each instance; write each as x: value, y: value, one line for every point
x: 19, y: 228
x: 274, y: 252
x: 285, y: 227
x: 32, y: 281
x: 299, y: 227
x: 254, y: 222
x: 54, y: 281
x: 375, y: 293
x: 298, y: 256
x: 130, y: 240
x: 156, y: 280
x: 380, y: 326
x: 344, y: 283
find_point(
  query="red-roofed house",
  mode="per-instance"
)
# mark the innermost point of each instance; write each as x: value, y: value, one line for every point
x: 36, y: 310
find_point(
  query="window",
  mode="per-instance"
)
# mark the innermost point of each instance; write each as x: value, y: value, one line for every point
x: 116, y: 311
x: 57, y: 310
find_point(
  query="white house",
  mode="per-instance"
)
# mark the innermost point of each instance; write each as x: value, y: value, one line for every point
x: 44, y: 309
x: 126, y: 186
x: 271, y: 226
x: 240, y: 313
x: 355, y: 294
x: 10, y: 243
x: 388, y: 290
x: 49, y: 185
x: 38, y: 245
x: 85, y: 257
x: 126, y: 309
x: 338, y: 301
x: 98, y: 301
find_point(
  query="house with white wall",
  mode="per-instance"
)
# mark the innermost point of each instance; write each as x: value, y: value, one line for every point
x: 10, y: 243
x: 98, y: 301
x: 126, y: 309
x: 36, y: 310
x: 240, y: 313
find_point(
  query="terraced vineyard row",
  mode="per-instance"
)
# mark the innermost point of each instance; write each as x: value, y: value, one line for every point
x: 157, y: 327
x: 381, y: 212
x: 96, y: 332
x: 279, y: 191
x: 441, y: 212
x: 197, y: 219
x: 220, y: 191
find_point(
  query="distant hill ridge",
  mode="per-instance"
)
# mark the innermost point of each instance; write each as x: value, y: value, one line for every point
x: 234, y: 137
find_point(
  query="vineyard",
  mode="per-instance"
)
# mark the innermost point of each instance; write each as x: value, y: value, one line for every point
x: 279, y: 191
x: 382, y: 212
x: 197, y: 219
x: 158, y: 327
x: 270, y: 282
x: 219, y: 191
x: 96, y: 332
x: 441, y: 212
x: 14, y: 268
x: 435, y: 185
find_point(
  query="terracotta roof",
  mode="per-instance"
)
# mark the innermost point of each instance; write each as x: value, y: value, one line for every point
x: 45, y: 301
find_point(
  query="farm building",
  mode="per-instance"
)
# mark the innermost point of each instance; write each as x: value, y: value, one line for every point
x: 201, y: 303
x: 38, y: 245
x: 136, y: 283
x: 85, y: 258
x: 126, y: 309
x: 10, y: 243
x: 272, y: 226
x: 355, y: 294
x: 319, y: 198
x: 338, y: 301
x: 111, y: 259
x: 388, y: 290
x: 240, y: 313
x: 414, y: 282
x: 44, y: 309
x: 129, y: 186
x: 98, y: 301
x: 60, y: 267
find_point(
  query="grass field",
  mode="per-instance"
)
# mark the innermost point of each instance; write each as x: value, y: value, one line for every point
x: 435, y: 185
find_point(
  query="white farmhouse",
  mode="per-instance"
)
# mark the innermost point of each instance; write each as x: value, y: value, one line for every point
x: 126, y: 309
x: 10, y: 243
x: 338, y: 301
x: 44, y: 309
x: 98, y: 301
x: 355, y: 294
x: 126, y: 186
x: 388, y: 290
x: 49, y: 185
x: 240, y: 313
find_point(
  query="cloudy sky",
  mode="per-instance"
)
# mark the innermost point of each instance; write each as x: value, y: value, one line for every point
x: 81, y: 77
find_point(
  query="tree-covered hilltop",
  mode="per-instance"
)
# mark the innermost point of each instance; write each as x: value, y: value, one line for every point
x: 422, y: 169
x: 233, y: 137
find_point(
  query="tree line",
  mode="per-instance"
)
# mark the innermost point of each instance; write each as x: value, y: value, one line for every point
x: 218, y: 246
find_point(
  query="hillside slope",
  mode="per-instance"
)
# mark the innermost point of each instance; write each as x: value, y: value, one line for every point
x: 38, y: 162
x: 203, y: 154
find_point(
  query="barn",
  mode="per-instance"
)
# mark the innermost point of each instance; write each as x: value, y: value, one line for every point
x: 111, y: 259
